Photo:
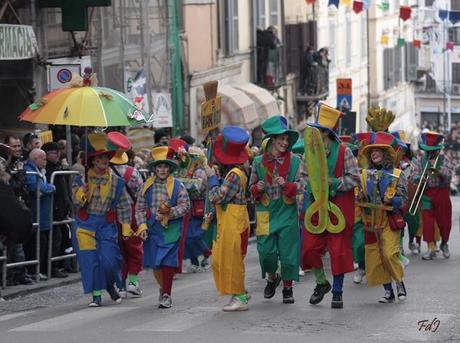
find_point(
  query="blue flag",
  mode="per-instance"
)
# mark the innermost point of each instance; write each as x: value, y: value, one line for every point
x: 443, y: 14
x: 334, y: 3
x: 454, y: 17
x: 367, y: 4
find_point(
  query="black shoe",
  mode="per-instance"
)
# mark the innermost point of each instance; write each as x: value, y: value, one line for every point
x: 401, y: 289
x: 337, y: 301
x: 319, y: 292
x: 288, y: 297
x: 70, y: 270
x: 56, y: 273
x: 270, y: 289
x: 24, y: 280
x: 114, y: 295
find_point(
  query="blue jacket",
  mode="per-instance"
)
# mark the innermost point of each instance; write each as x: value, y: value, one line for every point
x: 46, y: 189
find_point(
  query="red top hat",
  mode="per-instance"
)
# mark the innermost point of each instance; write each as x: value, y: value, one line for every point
x: 382, y: 140
x: 431, y: 141
x: 346, y: 139
x: 230, y: 146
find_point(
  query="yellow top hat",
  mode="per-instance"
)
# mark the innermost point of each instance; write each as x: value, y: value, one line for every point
x: 163, y: 154
x: 327, y: 118
x: 121, y: 157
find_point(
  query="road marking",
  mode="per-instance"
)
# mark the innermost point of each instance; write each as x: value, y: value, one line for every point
x: 178, y: 321
x: 14, y: 315
x: 74, y: 319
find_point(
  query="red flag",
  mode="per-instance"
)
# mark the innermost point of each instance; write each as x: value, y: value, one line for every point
x: 358, y: 6
x: 417, y: 43
x: 450, y: 46
x: 404, y: 12
x: 310, y: 1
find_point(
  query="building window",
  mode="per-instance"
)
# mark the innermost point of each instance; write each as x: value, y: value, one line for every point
x: 332, y: 44
x: 454, y: 35
x: 456, y: 73
x: 349, y: 46
x: 261, y: 20
x: 455, y: 5
x: 274, y: 12
x: 363, y: 37
x: 429, y: 3
x: 228, y: 26
x: 388, y: 69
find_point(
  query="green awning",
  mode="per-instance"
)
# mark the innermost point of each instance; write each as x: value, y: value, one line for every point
x: 17, y: 42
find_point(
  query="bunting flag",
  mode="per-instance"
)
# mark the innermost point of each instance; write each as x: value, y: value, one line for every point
x: 334, y: 3
x: 310, y: 1
x: 401, y: 42
x: 450, y: 46
x: 405, y: 12
x: 346, y: 3
x: 384, y: 40
x: 443, y: 14
x: 454, y: 17
x: 358, y: 6
x: 367, y: 4
x: 417, y: 43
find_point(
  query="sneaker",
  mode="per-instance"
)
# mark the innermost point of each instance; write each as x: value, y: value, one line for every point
x: 166, y: 301
x: 114, y: 295
x: 288, y: 297
x: 123, y: 293
x: 404, y: 261
x: 429, y: 255
x: 401, y: 290
x: 194, y: 269
x: 319, y: 293
x: 270, y: 289
x: 56, y: 273
x: 389, y: 297
x: 43, y: 277
x: 205, y: 265
x: 301, y: 272
x: 23, y: 280
x: 96, y: 302
x: 337, y: 300
x: 359, y: 275
x: 236, y: 304
x: 134, y: 289
x: 445, y: 250
x: 414, y: 248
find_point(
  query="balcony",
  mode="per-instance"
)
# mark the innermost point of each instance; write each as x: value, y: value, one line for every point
x: 316, y: 84
x: 270, y: 67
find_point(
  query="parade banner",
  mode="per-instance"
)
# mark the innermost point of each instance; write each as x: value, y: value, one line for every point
x: 17, y: 42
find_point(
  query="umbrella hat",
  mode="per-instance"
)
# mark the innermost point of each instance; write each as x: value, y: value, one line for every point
x: 431, y: 141
x: 277, y: 125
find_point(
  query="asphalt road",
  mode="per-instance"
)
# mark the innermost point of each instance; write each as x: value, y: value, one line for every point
x: 60, y: 315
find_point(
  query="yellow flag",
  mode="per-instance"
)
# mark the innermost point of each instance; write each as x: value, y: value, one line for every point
x: 384, y: 40
x: 345, y: 3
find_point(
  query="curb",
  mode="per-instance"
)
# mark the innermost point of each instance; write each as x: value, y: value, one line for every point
x: 19, y: 291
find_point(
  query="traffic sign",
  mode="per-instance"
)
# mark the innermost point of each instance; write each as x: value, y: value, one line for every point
x: 344, y: 86
x: 344, y: 91
x: 344, y: 102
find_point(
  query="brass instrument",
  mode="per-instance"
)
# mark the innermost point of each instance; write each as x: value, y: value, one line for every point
x: 427, y: 172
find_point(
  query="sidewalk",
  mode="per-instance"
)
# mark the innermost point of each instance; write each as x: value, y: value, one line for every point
x: 21, y: 290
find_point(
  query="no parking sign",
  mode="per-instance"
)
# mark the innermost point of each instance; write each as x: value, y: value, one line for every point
x: 59, y: 75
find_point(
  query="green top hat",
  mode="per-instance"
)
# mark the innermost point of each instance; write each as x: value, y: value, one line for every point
x: 277, y: 125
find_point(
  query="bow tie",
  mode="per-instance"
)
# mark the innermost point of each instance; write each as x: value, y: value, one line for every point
x: 278, y: 160
x: 99, y: 180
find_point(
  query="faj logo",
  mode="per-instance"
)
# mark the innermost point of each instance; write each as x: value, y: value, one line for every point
x: 426, y: 325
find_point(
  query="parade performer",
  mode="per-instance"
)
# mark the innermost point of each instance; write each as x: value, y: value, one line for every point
x: 101, y: 201
x: 436, y: 206
x: 131, y: 247
x: 160, y: 208
x: 276, y: 175
x: 357, y: 241
x: 332, y: 175
x: 192, y: 173
x: 229, y: 198
x: 383, y: 195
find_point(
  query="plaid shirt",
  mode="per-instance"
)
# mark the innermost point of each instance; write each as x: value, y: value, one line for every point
x: 97, y: 207
x: 275, y: 191
x: 440, y: 179
x: 135, y: 181
x: 160, y: 195
x: 196, y: 185
x: 231, y: 191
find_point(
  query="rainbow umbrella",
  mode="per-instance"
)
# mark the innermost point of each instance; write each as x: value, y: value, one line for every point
x: 85, y: 106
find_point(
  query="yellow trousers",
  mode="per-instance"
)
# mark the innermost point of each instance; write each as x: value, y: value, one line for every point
x: 384, y: 267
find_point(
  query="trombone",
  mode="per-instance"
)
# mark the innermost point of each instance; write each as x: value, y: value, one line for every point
x: 422, y: 185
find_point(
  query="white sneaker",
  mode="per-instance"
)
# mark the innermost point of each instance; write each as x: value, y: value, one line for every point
x: 194, y: 269
x: 401, y: 290
x: 445, y: 250
x: 429, y: 255
x: 301, y: 272
x: 166, y: 301
x: 123, y: 293
x: 236, y: 304
x: 205, y: 265
x: 133, y: 288
x: 359, y: 276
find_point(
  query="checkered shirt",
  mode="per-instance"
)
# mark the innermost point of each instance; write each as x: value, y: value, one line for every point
x: 231, y: 191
